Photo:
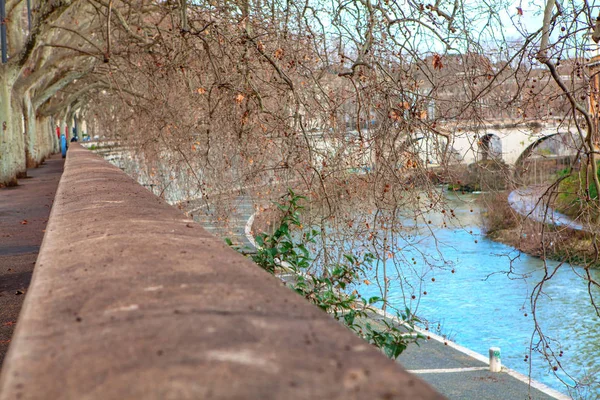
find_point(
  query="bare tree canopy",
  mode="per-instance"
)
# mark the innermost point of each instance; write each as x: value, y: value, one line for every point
x: 363, y: 107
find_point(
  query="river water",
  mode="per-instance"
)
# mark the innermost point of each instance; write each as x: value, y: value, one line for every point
x: 481, y: 305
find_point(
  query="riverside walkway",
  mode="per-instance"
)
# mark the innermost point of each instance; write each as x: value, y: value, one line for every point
x: 460, y: 374
x: 132, y: 300
x: 24, y: 212
x: 530, y: 202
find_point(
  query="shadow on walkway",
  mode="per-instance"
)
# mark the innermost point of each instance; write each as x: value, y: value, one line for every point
x: 24, y: 212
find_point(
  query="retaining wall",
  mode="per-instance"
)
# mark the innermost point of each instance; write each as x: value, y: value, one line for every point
x: 131, y: 300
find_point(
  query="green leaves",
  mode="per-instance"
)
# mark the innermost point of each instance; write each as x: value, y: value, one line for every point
x: 390, y: 340
x: 327, y: 286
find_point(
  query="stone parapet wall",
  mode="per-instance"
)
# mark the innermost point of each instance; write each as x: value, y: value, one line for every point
x: 131, y: 300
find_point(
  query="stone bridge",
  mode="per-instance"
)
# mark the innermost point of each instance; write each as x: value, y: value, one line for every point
x: 508, y: 141
x: 511, y: 141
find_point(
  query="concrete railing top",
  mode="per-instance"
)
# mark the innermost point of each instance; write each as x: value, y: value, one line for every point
x: 130, y: 299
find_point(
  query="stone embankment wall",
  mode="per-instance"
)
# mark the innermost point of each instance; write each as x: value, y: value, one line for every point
x: 130, y: 299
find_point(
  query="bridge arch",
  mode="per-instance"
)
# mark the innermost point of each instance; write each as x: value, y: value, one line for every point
x: 490, y: 147
x: 520, y: 161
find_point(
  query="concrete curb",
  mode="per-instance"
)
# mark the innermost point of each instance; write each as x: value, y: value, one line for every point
x: 130, y: 300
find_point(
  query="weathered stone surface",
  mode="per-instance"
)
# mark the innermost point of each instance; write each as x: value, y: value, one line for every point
x: 24, y: 211
x: 130, y: 299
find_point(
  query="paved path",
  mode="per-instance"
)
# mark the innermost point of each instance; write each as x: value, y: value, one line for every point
x: 460, y: 376
x: 526, y: 201
x: 24, y: 212
x: 231, y: 224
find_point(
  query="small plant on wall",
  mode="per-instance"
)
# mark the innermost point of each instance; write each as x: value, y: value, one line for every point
x: 285, y: 252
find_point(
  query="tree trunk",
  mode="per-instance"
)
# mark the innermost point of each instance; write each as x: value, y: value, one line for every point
x: 64, y: 127
x: 18, y: 135
x: 46, y: 138
x: 55, y: 141
x: 12, y: 151
x: 32, y: 150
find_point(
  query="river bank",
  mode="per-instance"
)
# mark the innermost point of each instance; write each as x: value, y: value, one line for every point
x: 546, y: 241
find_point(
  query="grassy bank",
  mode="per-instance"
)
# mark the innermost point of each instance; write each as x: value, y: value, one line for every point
x: 577, y: 195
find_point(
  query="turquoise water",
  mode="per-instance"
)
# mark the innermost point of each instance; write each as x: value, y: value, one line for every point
x: 484, y: 302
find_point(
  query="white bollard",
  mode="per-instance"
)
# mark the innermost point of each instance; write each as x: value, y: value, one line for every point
x: 495, y: 360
